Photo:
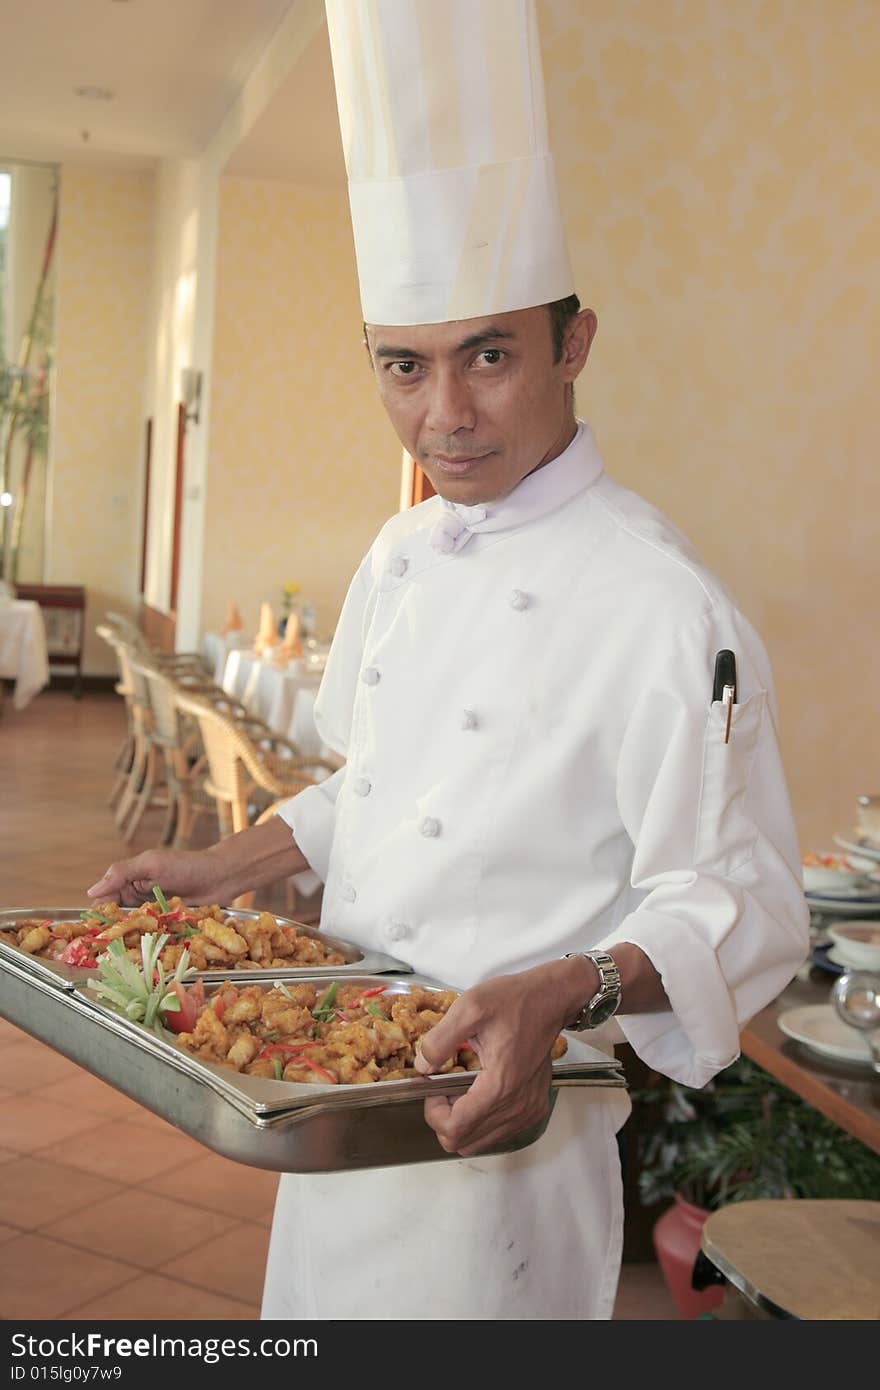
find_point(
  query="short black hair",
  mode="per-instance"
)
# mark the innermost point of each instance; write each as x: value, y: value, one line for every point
x: 561, y: 312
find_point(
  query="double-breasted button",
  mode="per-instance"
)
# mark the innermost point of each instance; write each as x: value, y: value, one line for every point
x: 347, y: 892
x: 429, y: 826
x: 399, y: 566
x: 371, y: 675
x: 398, y: 931
x: 467, y: 719
x: 362, y: 786
x: 518, y: 600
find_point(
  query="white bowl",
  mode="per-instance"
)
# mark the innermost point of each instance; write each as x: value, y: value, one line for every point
x: 856, y: 944
x: 839, y: 871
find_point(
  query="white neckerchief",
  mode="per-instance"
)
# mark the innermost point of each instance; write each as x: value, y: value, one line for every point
x: 576, y: 468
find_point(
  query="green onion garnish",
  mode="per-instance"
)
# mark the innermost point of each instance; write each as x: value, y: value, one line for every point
x: 160, y: 898
x: 377, y: 1012
x: 277, y: 1068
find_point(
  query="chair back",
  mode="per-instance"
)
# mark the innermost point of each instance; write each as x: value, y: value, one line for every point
x: 110, y: 635
x: 160, y: 693
x: 228, y: 778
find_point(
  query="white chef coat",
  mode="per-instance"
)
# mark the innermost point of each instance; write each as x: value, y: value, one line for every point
x: 523, y: 694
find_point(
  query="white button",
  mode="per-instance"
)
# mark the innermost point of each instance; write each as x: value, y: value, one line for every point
x: 362, y: 786
x: 397, y: 931
x: 371, y: 676
x: 347, y: 892
x: 399, y: 566
x: 429, y: 827
x: 468, y: 719
x: 518, y: 600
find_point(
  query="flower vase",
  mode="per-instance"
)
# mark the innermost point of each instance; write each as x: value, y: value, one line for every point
x: 676, y: 1238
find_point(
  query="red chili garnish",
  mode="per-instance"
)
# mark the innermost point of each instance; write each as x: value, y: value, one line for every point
x: 368, y: 993
x: 307, y: 1061
x: 346, y: 1018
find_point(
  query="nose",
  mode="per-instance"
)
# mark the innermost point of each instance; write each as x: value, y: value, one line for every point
x: 450, y: 407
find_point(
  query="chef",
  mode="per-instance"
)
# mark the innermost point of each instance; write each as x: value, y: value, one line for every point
x: 546, y: 800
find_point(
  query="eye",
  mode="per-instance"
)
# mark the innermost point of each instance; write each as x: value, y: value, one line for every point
x: 404, y: 368
x: 490, y: 356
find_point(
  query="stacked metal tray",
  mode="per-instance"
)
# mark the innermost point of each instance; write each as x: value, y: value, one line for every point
x: 68, y: 976
x: 279, y: 1125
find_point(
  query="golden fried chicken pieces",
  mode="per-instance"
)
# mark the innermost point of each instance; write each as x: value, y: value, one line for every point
x: 214, y: 938
x: 338, y: 1034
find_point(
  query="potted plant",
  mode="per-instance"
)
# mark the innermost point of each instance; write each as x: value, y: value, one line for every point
x: 742, y: 1137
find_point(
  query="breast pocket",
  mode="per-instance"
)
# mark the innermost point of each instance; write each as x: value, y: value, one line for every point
x: 726, y: 829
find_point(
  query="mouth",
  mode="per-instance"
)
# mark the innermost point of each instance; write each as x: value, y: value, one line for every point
x: 457, y: 464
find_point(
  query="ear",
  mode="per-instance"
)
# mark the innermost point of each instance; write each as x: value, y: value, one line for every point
x: 576, y: 346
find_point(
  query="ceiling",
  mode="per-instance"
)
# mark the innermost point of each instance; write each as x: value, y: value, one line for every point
x: 175, y: 68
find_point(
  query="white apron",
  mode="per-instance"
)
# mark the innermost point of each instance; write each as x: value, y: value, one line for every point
x: 530, y: 1235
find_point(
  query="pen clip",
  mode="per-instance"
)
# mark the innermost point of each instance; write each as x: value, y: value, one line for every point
x: 727, y: 695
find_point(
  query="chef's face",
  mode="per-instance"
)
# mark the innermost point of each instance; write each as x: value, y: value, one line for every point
x: 479, y: 403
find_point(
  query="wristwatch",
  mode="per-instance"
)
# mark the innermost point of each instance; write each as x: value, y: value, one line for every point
x: 606, y: 1001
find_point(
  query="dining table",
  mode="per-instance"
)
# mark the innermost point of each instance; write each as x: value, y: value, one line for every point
x: 280, y: 693
x: 846, y: 1092
x: 24, y: 656
x: 216, y: 646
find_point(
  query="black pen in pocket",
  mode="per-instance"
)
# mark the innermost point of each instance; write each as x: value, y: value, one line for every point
x: 724, y: 686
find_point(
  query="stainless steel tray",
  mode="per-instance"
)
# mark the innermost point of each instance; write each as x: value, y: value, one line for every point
x: 64, y: 976
x: 277, y: 1125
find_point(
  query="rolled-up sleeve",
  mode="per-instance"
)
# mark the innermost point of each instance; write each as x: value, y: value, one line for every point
x: 720, y: 909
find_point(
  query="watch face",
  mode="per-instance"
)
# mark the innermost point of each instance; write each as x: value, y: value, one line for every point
x: 603, y: 1010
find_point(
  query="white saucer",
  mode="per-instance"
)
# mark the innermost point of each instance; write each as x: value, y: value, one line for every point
x: 854, y: 906
x: 833, y: 954
x: 818, y: 1027
x: 852, y: 841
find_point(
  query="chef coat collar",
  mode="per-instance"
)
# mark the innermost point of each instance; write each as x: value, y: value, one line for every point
x: 576, y: 469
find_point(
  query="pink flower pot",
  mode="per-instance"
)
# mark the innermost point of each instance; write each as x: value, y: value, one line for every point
x: 677, y: 1242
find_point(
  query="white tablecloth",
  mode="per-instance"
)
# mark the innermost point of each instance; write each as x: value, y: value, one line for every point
x: 23, y: 654
x: 283, y: 697
x: 216, y: 646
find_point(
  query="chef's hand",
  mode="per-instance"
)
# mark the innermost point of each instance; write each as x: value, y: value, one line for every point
x: 250, y: 859
x: 511, y: 1022
x: 193, y: 875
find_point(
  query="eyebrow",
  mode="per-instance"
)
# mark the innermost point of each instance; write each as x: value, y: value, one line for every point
x: 489, y: 335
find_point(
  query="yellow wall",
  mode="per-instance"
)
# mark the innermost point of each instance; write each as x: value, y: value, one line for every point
x: 303, y: 466
x: 103, y: 274
x: 719, y: 176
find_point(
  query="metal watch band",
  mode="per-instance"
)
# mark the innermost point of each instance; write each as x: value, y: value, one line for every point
x: 606, y: 1001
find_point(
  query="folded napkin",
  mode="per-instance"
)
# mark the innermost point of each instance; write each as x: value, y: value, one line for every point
x: 291, y: 645
x: 267, y: 636
x: 234, y: 621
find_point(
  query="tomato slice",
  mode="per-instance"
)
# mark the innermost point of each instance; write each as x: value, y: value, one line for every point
x: 192, y: 1002
x: 78, y: 952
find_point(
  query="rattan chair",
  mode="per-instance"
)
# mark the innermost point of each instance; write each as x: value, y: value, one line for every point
x: 249, y: 777
x: 146, y: 784
x: 130, y: 633
x: 123, y: 761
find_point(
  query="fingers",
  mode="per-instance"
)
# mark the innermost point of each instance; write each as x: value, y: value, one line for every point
x: 110, y: 885
x: 446, y: 1037
x: 128, y: 882
x: 485, y: 1116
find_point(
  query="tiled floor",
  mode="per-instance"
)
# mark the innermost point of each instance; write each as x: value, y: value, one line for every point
x: 106, y: 1211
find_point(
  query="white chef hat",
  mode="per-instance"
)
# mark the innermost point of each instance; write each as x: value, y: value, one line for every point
x: 451, y: 181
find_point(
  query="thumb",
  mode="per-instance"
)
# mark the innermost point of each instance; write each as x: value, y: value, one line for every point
x: 108, y: 884
x: 442, y: 1041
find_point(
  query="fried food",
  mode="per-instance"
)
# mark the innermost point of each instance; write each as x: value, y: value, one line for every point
x: 214, y: 938
x: 341, y: 1034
